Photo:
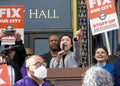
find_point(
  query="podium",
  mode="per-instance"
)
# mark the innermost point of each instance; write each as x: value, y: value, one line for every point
x: 66, y: 76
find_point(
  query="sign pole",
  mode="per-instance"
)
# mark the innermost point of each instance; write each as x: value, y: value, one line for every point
x: 107, y: 43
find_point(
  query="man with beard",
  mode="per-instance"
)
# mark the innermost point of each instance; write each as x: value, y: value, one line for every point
x: 53, y: 41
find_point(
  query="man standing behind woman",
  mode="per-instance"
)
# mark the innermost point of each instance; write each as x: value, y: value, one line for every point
x: 54, y: 48
x: 66, y: 58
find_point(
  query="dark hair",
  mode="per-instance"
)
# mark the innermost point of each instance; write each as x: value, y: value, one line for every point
x: 52, y: 35
x: 71, y: 49
x: 103, y: 47
x: 99, y: 46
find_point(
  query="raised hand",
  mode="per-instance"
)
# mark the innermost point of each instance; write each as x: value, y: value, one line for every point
x: 79, y: 33
x: 60, y: 55
x: 17, y: 36
x: 2, y: 34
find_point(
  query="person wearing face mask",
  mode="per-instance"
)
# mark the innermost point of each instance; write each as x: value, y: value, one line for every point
x: 101, y: 56
x: 37, y: 72
x: 67, y: 58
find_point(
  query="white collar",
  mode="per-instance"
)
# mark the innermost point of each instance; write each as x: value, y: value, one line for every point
x: 101, y: 65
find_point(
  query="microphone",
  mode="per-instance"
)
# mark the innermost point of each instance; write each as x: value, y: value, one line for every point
x: 63, y: 47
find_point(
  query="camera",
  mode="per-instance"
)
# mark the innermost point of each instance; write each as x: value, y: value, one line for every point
x: 3, y: 54
x: 9, y: 31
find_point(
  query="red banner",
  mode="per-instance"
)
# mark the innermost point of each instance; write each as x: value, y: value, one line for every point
x: 12, y: 15
x: 4, y: 76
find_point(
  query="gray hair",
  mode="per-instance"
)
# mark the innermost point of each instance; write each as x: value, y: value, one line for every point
x: 96, y: 76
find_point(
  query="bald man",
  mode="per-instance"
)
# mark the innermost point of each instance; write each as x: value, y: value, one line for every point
x: 36, y: 69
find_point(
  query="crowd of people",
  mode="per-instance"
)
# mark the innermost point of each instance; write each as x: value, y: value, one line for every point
x: 31, y: 70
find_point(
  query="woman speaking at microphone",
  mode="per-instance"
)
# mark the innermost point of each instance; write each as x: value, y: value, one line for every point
x: 66, y: 57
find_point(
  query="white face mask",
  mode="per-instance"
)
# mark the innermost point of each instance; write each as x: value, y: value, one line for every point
x: 41, y: 72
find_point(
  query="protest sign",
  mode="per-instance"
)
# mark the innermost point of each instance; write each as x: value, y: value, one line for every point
x: 102, y: 15
x: 11, y: 22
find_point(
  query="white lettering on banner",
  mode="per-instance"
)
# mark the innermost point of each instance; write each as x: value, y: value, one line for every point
x: 43, y: 14
x: 98, y: 2
x: 106, y: 7
x: 10, y: 12
x: 4, y: 20
x: 15, y: 20
x: 101, y: 9
x: 95, y: 10
x: 10, y: 20
x: 1, y: 80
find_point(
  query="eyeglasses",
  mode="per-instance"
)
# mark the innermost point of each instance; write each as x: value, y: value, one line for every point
x: 38, y: 64
x: 28, y: 54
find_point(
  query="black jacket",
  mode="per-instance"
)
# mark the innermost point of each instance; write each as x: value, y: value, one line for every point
x: 117, y: 72
x: 18, y: 60
x: 47, y: 57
